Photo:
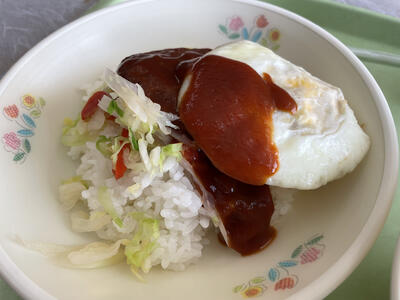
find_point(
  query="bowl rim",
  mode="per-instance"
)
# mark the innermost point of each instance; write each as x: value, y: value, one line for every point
x: 359, y: 248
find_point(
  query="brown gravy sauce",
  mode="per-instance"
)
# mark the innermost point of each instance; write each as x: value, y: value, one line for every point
x: 245, y: 210
x: 227, y: 109
x: 155, y: 72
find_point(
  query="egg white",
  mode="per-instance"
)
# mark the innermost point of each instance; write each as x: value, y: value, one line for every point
x: 322, y: 141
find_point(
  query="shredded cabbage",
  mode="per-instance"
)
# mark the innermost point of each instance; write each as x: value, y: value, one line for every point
x: 103, y: 145
x: 144, y: 155
x: 104, y: 198
x: 76, y: 179
x: 68, y: 123
x: 118, y: 144
x: 82, y: 222
x: 104, y: 103
x: 98, y: 253
x: 113, y: 106
x: 155, y: 156
x: 143, y: 243
x: 90, y: 256
x: 140, y: 113
x: 110, y: 147
x: 133, y: 140
x: 170, y: 150
x: 154, y: 160
x: 46, y: 249
x: 75, y: 133
x: 70, y: 191
x: 133, y: 162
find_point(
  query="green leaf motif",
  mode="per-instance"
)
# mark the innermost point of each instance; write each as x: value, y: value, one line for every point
x: 238, y: 288
x: 264, y: 42
x: 297, y: 251
x: 275, y: 47
x: 42, y: 102
x: 315, y: 240
x: 18, y: 156
x: 223, y: 29
x: 35, y: 113
x: 257, y: 280
x: 27, y: 146
x: 233, y: 36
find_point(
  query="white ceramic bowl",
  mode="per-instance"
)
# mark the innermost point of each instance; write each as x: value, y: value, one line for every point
x: 323, y: 238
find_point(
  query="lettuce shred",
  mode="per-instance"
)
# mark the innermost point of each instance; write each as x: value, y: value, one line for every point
x: 135, y: 110
x: 75, y: 133
x: 104, y: 198
x: 70, y: 191
x: 143, y: 243
x: 81, y: 221
x: 170, y: 150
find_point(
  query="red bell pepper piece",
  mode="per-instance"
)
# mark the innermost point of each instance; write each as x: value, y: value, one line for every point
x: 91, y: 105
x: 109, y: 117
x: 120, y: 167
x: 125, y: 132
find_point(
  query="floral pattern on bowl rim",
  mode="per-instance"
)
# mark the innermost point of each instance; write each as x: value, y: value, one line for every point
x: 259, y: 31
x: 281, y: 275
x: 24, y: 115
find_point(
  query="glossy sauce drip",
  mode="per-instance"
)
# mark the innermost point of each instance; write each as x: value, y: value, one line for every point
x: 283, y: 101
x: 245, y: 210
x: 227, y: 109
x: 155, y: 72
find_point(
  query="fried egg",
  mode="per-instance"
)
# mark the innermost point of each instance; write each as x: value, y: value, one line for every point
x: 320, y: 142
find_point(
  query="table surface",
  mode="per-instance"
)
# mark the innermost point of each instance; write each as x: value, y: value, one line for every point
x: 23, y: 23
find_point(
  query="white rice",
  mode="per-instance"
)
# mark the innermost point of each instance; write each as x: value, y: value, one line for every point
x: 168, y: 196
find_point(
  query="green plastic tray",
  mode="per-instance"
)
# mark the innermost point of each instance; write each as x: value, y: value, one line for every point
x: 367, y: 30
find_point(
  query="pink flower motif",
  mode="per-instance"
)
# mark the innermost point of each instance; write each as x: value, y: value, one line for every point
x: 310, y: 255
x: 11, y: 140
x: 11, y: 111
x: 285, y: 283
x: 236, y: 23
x: 262, y: 22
